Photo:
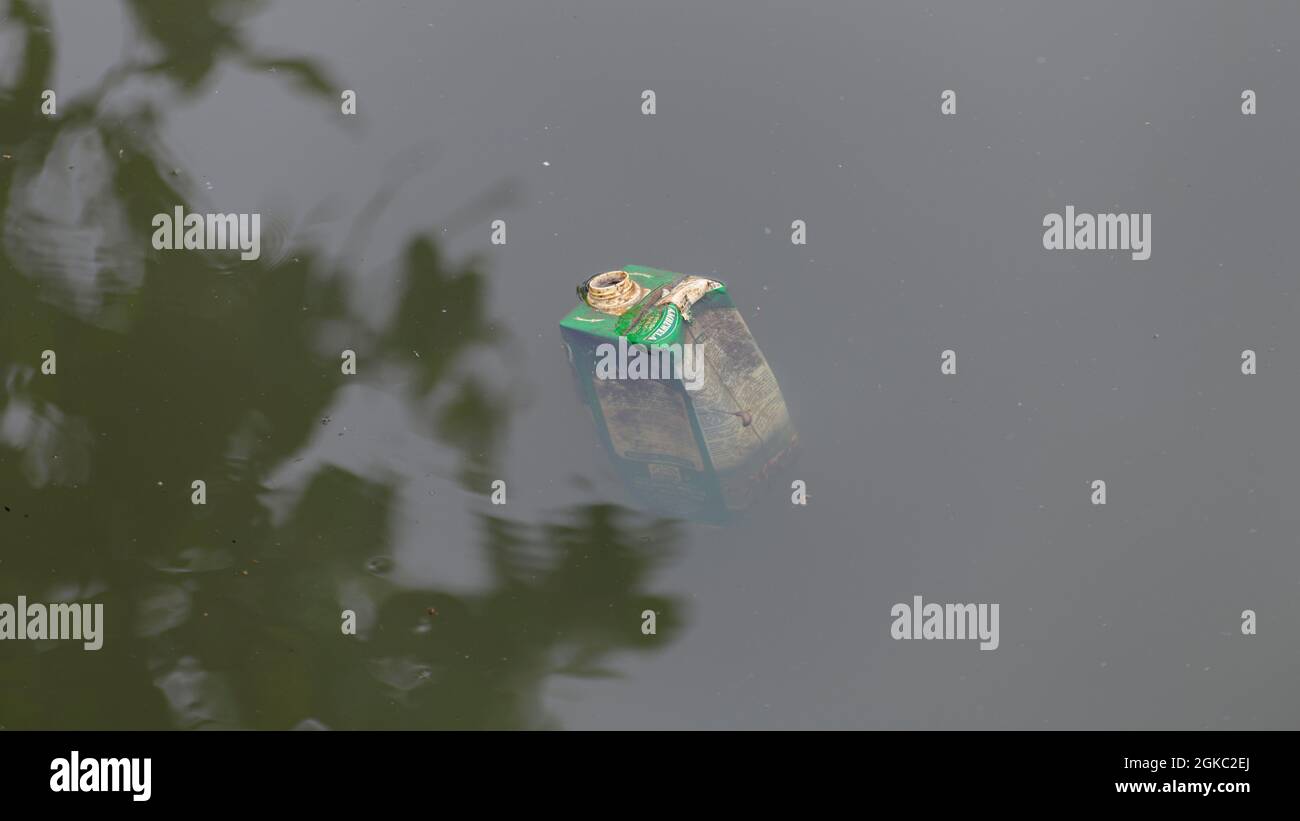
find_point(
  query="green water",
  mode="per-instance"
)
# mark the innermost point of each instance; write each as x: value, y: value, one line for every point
x: 176, y: 367
x: 373, y: 492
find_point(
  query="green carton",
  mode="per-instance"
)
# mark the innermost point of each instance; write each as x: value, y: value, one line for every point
x: 683, y: 399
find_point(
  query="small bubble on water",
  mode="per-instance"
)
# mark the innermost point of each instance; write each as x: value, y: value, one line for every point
x: 379, y: 565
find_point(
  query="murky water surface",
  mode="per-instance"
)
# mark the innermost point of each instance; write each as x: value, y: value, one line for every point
x: 372, y: 492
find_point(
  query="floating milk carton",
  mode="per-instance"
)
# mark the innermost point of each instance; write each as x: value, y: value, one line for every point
x: 682, y: 397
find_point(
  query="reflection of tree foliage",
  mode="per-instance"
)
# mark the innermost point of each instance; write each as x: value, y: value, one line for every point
x: 562, y: 596
x: 193, y: 367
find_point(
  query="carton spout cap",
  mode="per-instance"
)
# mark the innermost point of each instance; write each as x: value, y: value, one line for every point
x: 612, y: 292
